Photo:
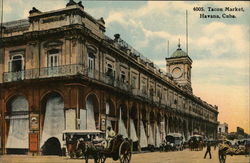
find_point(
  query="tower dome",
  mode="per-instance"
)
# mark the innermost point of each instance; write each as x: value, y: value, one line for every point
x: 179, y: 52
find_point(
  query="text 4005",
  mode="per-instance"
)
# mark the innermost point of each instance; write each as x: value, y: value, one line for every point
x: 198, y: 9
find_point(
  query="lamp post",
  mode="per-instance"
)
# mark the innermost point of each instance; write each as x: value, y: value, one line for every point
x: 1, y: 34
x: 1, y: 109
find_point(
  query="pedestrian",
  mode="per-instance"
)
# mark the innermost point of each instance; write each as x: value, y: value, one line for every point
x: 215, y: 145
x: 208, y: 150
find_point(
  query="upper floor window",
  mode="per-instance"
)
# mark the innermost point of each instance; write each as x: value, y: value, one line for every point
x: 151, y: 91
x: 123, y: 76
x: 134, y: 82
x: 53, y: 58
x: 110, y: 71
x: 158, y: 93
x: 16, y: 63
x: 91, y: 61
x: 144, y: 87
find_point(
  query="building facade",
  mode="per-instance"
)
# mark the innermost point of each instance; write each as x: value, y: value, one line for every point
x: 222, y: 130
x: 60, y: 71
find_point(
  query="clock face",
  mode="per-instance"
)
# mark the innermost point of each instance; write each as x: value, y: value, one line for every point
x: 177, y: 72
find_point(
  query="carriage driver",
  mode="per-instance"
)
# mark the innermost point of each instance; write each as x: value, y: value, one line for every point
x: 111, y: 133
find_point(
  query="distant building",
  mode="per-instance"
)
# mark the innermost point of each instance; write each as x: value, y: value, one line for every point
x: 240, y: 131
x: 223, y: 129
x: 58, y: 70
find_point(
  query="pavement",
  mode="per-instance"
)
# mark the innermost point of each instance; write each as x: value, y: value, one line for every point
x: 185, y: 156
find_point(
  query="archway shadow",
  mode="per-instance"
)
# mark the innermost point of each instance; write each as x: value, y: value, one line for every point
x: 52, y: 147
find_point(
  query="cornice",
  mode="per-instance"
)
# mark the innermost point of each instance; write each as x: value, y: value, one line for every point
x: 69, y: 31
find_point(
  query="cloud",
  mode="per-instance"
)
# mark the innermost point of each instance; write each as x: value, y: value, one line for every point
x: 226, y: 63
x: 12, y: 12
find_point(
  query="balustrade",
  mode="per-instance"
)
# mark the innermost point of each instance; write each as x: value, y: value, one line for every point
x: 44, y: 72
x: 77, y: 69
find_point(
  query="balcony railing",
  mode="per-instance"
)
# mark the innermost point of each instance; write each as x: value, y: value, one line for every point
x: 70, y: 70
x: 107, y: 79
x: 45, y: 72
x: 66, y: 70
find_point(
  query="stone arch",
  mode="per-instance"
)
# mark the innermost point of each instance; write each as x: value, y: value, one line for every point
x: 185, y: 129
x: 17, y: 125
x: 111, y: 108
x: 94, y: 95
x: 44, y: 98
x: 111, y: 114
x: 180, y: 125
x: 134, y: 125
x: 158, y: 128
x: 45, y: 94
x: 176, y: 125
x: 89, y: 117
x: 190, y: 126
x: 134, y: 118
x: 52, y: 121
x: 151, y: 129
x: 143, y: 115
x: 203, y: 131
x: 143, y: 127
x: 171, y: 124
x: 152, y: 116
x: 123, y: 120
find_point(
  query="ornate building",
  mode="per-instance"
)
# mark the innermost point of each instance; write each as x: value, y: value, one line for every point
x: 60, y: 71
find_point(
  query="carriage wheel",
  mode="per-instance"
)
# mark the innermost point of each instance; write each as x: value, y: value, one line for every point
x: 125, y: 152
x: 101, y: 159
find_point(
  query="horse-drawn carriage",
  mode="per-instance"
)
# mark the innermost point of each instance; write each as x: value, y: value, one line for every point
x: 172, y: 142
x: 196, y: 143
x: 226, y: 148
x: 91, y: 144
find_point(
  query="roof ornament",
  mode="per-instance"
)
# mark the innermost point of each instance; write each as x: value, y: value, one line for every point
x: 80, y: 4
x: 34, y: 10
x: 117, y: 37
x: 70, y: 3
x: 179, y: 45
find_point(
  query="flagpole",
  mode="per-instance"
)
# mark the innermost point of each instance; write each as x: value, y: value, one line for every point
x: 187, y: 31
x: 1, y: 113
x: 168, y: 48
x: 1, y: 19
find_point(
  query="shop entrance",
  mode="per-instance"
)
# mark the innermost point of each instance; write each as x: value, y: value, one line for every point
x: 52, y: 147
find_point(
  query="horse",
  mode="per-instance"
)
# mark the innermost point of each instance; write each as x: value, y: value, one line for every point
x: 72, y: 147
x: 89, y: 150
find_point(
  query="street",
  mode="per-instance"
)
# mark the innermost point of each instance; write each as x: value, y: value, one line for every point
x: 185, y: 156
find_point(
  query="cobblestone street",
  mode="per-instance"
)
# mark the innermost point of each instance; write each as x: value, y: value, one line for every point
x: 185, y: 156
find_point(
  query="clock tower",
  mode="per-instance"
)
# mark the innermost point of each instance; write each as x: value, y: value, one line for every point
x: 179, y: 65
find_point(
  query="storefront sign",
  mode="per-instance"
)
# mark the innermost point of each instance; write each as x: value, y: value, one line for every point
x: 103, y: 122
x: 33, y: 142
x: 34, y: 122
